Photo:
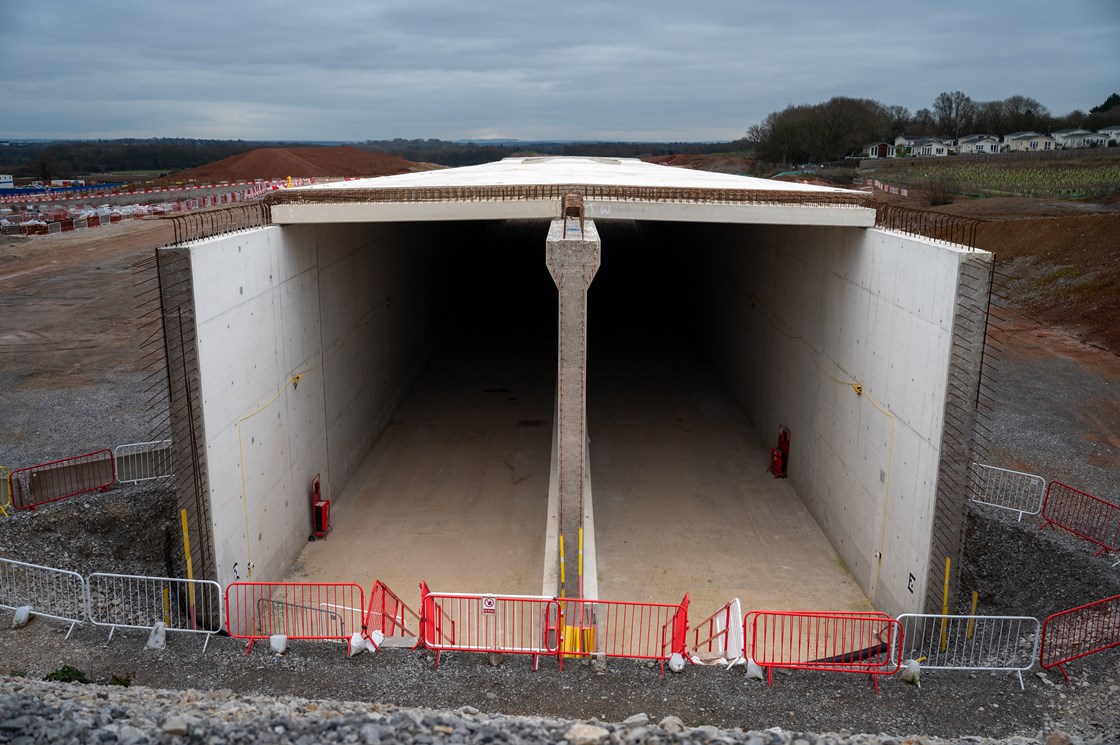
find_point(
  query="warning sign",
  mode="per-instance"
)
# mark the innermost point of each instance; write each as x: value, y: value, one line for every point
x: 489, y: 604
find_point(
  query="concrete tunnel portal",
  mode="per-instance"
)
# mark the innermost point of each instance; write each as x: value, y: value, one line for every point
x: 701, y: 337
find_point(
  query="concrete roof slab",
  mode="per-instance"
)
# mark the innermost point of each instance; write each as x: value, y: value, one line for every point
x: 532, y: 187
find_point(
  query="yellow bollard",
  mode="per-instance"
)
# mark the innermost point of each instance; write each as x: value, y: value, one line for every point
x: 972, y: 615
x: 5, y: 490
x: 190, y: 568
x: 945, y: 607
x: 166, y: 606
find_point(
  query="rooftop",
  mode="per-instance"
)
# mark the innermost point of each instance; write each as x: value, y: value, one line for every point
x: 531, y: 187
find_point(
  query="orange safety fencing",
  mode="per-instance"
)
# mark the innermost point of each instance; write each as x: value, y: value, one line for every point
x: 717, y: 635
x: 1082, y: 514
x: 297, y: 610
x: 847, y: 642
x: 630, y: 630
x: 388, y: 614
x: 32, y: 486
x: 1069, y: 635
x: 500, y: 624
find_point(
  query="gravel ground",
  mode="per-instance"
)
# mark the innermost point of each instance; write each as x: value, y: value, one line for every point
x: 1051, y: 412
x: 34, y: 711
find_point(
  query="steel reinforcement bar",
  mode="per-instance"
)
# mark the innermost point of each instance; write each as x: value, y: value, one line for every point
x: 198, y: 225
x: 935, y: 225
x: 549, y: 192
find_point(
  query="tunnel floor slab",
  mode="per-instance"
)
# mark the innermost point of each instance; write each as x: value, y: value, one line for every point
x: 684, y: 501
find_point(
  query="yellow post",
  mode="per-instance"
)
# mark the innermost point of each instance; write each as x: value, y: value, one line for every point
x: 5, y: 490
x: 167, y: 606
x: 190, y: 568
x: 945, y: 607
x: 562, y: 565
x: 972, y: 615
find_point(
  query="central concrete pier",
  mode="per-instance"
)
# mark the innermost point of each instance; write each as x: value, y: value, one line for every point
x: 572, y: 253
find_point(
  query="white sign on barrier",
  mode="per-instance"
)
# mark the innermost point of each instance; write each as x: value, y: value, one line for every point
x: 51, y: 593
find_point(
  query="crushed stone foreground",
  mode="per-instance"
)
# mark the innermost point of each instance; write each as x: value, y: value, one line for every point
x: 34, y: 711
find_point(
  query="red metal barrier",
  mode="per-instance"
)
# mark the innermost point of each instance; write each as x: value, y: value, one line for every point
x: 1082, y: 514
x: 712, y: 636
x: 502, y: 624
x: 388, y: 614
x: 48, y: 482
x: 298, y: 610
x: 1069, y: 635
x: 847, y: 642
x: 631, y: 630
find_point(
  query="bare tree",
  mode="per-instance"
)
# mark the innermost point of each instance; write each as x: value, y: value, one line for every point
x: 954, y: 112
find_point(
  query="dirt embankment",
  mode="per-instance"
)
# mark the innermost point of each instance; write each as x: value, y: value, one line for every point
x: 300, y: 162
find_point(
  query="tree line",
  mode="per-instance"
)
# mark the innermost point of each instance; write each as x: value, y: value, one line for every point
x: 458, y: 153
x: 843, y: 126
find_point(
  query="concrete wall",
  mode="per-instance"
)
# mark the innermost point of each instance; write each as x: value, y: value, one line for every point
x: 350, y: 307
x: 793, y: 316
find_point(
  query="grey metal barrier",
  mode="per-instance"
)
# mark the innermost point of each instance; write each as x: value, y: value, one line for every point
x: 139, y: 602
x: 993, y: 643
x: 52, y: 593
x: 1009, y: 490
x: 143, y: 461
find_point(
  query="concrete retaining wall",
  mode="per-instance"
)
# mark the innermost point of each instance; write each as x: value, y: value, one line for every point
x: 793, y: 315
x: 352, y: 309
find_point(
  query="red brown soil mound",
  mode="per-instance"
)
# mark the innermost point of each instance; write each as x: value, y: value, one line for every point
x: 1062, y: 271
x: 299, y: 162
x: 714, y: 163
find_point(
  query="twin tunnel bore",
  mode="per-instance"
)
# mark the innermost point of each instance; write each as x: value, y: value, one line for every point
x: 456, y: 489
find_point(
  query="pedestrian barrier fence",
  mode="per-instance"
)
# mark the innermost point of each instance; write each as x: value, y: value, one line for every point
x: 1010, y: 490
x: 388, y: 614
x: 298, y: 610
x: 631, y: 630
x: 5, y: 491
x: 719, y: 635
x: 59, y: 479
x: 51, y: 593
x: 848, y: 642
x: 1084, y: 515
x: 501, y: 624
x: 138, y: 602
x: 143, y: 461
x: 969, y: 642
x: 1075, y: 633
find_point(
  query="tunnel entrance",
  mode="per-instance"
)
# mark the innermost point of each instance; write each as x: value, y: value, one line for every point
x: 457, y: 484
x: 683, y: 500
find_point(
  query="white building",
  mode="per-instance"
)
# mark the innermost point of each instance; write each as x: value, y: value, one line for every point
x: 1029, y: 142
x: 978, y: 145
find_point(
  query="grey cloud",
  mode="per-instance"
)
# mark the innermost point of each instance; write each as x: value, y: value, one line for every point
x: 416, y: 68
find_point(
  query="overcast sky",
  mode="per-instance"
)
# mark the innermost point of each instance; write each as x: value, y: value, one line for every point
x: 628, y: 69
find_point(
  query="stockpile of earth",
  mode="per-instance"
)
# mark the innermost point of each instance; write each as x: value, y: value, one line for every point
x: 300, y: 162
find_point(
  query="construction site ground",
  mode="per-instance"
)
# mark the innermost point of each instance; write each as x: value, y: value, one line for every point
x: 72, y: 380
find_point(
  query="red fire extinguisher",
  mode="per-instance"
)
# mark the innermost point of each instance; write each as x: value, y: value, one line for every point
x: 320, y: 511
